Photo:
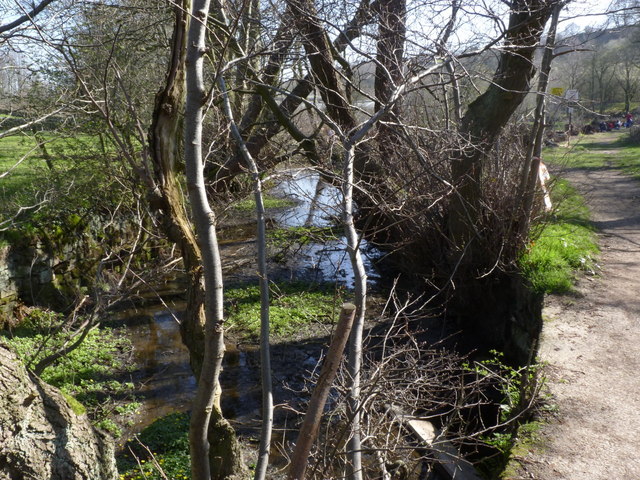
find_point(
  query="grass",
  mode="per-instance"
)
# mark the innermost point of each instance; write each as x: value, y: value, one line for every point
x: 597, y: 151
x: 87, y: 376
x: 293, y: 307
x: 564, y: 244
x: 28, y: 174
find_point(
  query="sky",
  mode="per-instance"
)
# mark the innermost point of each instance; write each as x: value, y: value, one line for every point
x: 584, y: 13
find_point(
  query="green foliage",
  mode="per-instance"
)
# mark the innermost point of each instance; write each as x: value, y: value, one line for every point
x: 108, y: 425
x: 168, y: 439
x: 518, y: 388
x: 563, y: 245
x: 292, y: 307
x: 87, y: 373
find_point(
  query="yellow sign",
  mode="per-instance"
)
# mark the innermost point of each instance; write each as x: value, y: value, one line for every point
x: 558, y: 91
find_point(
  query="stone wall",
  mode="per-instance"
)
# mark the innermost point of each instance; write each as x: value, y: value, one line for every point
x: 52, y: 266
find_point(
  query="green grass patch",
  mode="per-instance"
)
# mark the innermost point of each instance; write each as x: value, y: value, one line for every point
x: 293, y: 306
x: 60, y: 167
x: 168, y: 440
x: 628, y: 157
x: 89, y: 374
x: 562, y: 245
x: 597, y: 151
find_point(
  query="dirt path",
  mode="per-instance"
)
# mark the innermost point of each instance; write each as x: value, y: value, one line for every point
x: 591, y: 342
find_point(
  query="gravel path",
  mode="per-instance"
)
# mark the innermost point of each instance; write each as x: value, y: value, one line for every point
x: 591, y: 342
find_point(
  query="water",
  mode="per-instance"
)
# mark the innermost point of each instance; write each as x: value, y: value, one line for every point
x: 318, y: 204
x: 163, y: 378
x: 166, y: 384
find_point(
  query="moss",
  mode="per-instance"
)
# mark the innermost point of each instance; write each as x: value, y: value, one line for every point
x: 527, y: 439
x: 75, y: 405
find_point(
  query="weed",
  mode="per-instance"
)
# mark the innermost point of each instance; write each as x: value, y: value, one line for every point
x: 164, y: 444
x: 518, y: 392
x: 292, y: 307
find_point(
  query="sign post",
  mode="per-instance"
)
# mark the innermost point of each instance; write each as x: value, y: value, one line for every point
x: 572, y: 97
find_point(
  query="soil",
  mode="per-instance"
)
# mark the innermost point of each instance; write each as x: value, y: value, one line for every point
x: 591, y: 345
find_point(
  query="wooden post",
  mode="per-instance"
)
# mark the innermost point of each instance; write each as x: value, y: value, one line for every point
x: 311, y: 422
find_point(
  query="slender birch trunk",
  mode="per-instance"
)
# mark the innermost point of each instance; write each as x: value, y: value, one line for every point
x: 354, y: 470
x: 265, y: 348
x: 223, y: 462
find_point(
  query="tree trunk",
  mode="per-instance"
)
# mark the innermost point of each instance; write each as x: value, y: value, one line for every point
x: 389, y: 75
x: 354, y: 366
x: 166, y: 198
x: 265, y: 345
x: 41, y: 437
x: 496, y: 309
x: 221, y: 459
x: 529, y: 176
x: 312, y: 418
x: 487, y: 116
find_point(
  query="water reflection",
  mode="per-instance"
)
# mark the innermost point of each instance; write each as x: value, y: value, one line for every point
x: 318, y: 204
x: 163, y: 378
x: 164, y: 381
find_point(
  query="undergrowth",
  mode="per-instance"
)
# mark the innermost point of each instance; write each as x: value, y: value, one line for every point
x: 89, y: 377
x: 293, y: 307
x: 161, y: 447
x: 518, y: 395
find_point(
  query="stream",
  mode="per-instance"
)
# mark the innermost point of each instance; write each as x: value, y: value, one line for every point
x: 163, y: 378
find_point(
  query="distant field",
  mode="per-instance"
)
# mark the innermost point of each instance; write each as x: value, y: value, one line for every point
x: 23, y: 162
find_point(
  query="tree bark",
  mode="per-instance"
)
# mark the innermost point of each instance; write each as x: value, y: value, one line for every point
x: 311, y: 423
x: 389, y: 64
x: 41, y: 437
x: 527, y: 188
x: 223, y: 461
x: 487, y: 116
x: 166, y: 196
x: 354, y: 448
